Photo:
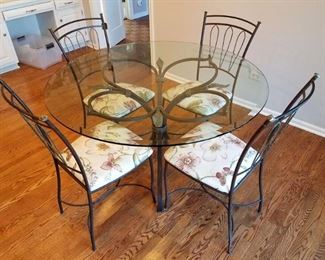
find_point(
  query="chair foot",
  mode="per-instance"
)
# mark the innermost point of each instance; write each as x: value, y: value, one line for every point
x: 90, y: 222
x: 91, y: 233
x: 260, y: 188
x: 230, y: 248
x: 58, y: 176
x: 167, y: 203
x: 153, y: 196
x: 230, y: 226
x: 260, y: 206
x: 93, y: 246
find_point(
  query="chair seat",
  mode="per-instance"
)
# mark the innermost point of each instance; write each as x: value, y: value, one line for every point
x: 203, y: 103
x: 118, y: 105
x: 202, y: 131
x: 105, y: 162
x: 113, y: 132
x: 212, y: 162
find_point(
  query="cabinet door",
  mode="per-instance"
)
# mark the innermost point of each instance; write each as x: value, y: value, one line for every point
x: 67, y: 15
x: 7, y: 52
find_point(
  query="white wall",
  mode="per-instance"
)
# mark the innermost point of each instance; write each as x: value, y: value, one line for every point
x: 288, y: 47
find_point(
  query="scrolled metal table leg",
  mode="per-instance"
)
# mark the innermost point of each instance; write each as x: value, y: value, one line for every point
x: 160, y: 180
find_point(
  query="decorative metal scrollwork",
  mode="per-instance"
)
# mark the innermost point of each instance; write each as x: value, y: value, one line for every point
x: 160, y: 113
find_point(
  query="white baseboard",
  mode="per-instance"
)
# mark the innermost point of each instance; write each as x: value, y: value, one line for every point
x: 9, y: 68
x: 266, y: 111
x: 176, y: 78
x: 298, y: 123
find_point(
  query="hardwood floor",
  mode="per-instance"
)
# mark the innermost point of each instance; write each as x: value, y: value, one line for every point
x: 137, y: 30
x: 291, y: 226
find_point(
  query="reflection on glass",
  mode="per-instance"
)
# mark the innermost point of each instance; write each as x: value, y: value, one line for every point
x: 154, y: 93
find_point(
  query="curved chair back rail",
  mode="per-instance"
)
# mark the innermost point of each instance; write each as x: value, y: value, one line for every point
x: 258, y: 145
x: 230, y: 34
x: 50, y: 135
x: 226, y: 39
x: 78, y: 38
x: 267, y: 134
x: 81, y: 34
x: 41, y: 126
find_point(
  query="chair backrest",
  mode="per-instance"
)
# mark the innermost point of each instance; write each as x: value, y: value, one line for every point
x: 229, y: 35
x: 81, y: 36
x: 46, y: 131
x: 267, y: 133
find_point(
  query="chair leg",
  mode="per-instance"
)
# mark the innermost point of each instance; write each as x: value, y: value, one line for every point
x: 230, y: 227
x: 152, y: 180
x: 91, y: 222
x: 165, y: 185
x: 260, y: 187
x: 230, y: 112
x: 85, y: 116
x: 58, y: 177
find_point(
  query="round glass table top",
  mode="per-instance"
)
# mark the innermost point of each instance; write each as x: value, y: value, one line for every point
x: 156, y: 93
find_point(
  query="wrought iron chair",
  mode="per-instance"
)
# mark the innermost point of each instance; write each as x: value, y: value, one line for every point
x: 78, y: 38
x: 231, y: 36
x: 95, y: 165
x: 221, y: 165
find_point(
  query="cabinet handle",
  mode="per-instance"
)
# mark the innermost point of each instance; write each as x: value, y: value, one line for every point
x: 61, y: 20
x: 68, y: 3
x: 4, y: 35
x: 31, y: 11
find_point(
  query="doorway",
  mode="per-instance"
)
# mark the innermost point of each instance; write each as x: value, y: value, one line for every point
x: 136, y: 21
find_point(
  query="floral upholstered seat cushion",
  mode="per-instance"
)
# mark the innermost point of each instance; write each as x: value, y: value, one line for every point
x: 104, y: 162
x: 204, y: 130
x: 118, y: 105
x: 202, y: 103
x: 113, y: 132
x: 212, y: 162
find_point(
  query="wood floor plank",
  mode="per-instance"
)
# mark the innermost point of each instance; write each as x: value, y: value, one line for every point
x: 320, y: 252
x: 306, y: 242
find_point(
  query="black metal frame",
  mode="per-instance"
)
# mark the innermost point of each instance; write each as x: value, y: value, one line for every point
x: 261, y: 141
x: 79, y: 34
x: 112, y: 87
x: 42, y: 127
x: 246, y: 29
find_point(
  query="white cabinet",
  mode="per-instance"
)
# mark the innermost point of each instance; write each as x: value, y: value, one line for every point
x: 27, y: 11
x: 67, y: 11
x: 32, y: 17
x: 68, y: 14
x: 59, y: 4
x: 8, y: 57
